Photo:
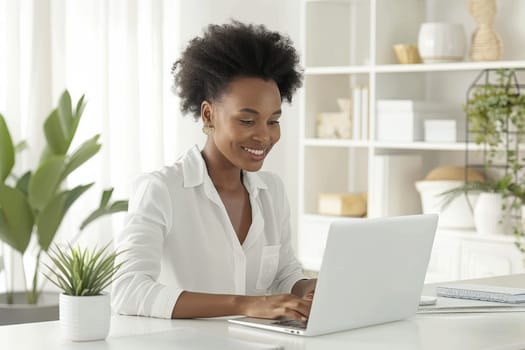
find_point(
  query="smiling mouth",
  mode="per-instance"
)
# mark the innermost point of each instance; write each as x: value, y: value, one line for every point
x: 256, y: 152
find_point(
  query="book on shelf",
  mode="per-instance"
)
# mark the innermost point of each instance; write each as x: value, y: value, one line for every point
x: 360, y: 112
x: 356, y: 113
x: 394, y: 192
x: 364, y: 112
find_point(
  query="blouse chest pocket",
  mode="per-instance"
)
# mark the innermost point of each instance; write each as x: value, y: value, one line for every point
x: 269, y: 265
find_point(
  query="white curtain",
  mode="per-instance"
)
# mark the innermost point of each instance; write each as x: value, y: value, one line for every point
x: 119, y: 54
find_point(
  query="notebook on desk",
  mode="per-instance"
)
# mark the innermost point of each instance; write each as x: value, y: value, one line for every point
x: 372, y: 272
x: 483, y: 292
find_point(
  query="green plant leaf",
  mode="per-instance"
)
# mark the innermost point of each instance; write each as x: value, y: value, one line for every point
x: 16, y: 218
x: 106, y: 196
x: 74, y: 194
x: 81, y: 155
x: 45, y: 182
x: 105, y: 208
x: 7, y: 152
x: 51, y: 216
x: 21, y: 146
x: 46, y: 154
x: 56, y: 137
x: 65, y: 116
x: 78, y: 113
x: 49, y: 220
x: 118, y: 206
x: 82, y: 272
x: 23, y: 183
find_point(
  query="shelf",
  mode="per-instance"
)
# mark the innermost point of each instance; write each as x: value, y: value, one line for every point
x: 365, y: 31
x: 336, y: 143
x: 458, y: 146
x: 443, y: 67
x: 338, y: 70
x: 334, y: 1
x: 407, y: 68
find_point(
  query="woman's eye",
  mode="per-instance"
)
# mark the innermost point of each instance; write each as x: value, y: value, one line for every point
x: 273, y: 122
x: 246, y: 121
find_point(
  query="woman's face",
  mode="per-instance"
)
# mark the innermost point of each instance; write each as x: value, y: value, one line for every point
x: 246, y: 122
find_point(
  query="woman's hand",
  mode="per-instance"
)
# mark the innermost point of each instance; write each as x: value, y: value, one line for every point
x: 275, y: 306
x: 305, y: 288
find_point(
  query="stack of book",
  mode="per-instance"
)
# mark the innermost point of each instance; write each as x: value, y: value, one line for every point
x: 360, y: 115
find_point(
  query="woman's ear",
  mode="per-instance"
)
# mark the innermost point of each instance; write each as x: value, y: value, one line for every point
x: 206, y: 113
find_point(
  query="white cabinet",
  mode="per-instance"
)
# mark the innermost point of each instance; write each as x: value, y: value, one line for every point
x: 348, y: 44
x: 466, y: 254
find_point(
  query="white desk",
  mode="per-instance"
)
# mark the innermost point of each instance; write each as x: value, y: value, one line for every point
x: 442, y: 331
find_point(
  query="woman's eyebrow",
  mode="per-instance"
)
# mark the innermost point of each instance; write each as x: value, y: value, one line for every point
x: 253, y: 111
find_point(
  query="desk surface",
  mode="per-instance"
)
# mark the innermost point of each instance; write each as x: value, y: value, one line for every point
x: 441, y: 331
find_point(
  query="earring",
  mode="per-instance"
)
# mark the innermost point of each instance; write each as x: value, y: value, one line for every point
x: 207, y: 129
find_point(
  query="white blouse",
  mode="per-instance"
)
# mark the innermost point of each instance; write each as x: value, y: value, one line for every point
x: 178, y: 237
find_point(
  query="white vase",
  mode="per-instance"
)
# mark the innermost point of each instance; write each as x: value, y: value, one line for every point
x: 457, y: 214
x: 489, y: 218
x: 441, y: 42
x: 84, y: 318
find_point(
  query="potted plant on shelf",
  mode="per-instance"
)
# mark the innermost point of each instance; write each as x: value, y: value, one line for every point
x: 496, y: 120
x: 83, y: 275
x: 34, y: 204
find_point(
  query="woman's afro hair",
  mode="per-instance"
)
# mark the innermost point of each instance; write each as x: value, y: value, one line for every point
x: 225, y: 52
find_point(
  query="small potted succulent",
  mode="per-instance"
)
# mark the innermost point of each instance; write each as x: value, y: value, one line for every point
x: 83, y: 274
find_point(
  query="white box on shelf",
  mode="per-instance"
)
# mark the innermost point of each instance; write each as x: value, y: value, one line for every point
x: 397, y: 126
x: 402, y: 120
x: 440, y: 130
x: 400, y: 105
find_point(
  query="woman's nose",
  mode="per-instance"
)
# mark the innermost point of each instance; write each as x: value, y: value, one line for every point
x: 261, y: 135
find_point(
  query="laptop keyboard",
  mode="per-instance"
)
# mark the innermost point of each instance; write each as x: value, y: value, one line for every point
x: 291, y: 324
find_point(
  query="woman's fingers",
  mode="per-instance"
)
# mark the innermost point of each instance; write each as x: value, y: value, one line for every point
x: 298, y: 306
x: 309, y: 296
x: 275, y: 306
x: 294, y: 315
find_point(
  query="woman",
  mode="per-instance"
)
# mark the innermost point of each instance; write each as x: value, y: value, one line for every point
x: 210, y: 235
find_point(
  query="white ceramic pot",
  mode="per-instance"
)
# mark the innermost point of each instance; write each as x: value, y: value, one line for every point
x: 457, y: 215
x: 85, y: 318
x: 441, y: 42
x: 488, y: 215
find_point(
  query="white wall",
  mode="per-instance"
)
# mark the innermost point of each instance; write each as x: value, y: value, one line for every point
x: 280, y: 15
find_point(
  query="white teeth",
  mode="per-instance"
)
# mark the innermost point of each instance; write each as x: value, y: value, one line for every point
x: 257, y: 152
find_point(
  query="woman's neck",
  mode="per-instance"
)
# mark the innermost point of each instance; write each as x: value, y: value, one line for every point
x: 223, y: 174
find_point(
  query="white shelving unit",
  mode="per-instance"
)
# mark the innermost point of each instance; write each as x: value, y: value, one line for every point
x: 349, y: 43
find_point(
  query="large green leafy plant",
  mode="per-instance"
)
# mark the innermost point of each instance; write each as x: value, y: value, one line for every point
x: 36, y: 202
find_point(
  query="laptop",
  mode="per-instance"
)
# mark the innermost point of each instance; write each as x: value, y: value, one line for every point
x: 372, y: 272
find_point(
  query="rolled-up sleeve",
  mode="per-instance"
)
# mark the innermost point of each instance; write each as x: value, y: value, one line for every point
x: 135, y: 288
x: 290, y: 270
